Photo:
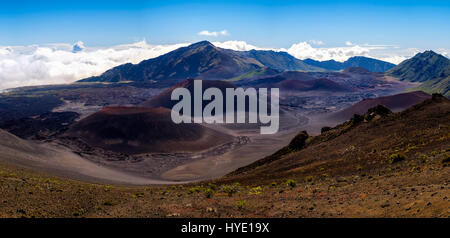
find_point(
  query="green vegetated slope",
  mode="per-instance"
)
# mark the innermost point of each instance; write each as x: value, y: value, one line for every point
x: 429, y: 68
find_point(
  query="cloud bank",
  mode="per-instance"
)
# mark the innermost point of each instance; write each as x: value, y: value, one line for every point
x: 66, y: 63
x: 304, y: 50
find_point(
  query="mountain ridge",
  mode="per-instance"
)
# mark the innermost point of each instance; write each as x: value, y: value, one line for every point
x: 370, y: 64
x: 422, y: 67
x: 203, y: 60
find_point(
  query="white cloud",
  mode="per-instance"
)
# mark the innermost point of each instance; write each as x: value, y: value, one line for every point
x: 239, y: 46
x: 444, y: 52
x: 213, y: 33
x: 304, y: 50
x: 348, y: 43
x: 316, y: 42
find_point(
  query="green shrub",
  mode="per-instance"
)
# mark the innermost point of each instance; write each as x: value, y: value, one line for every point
x: 397, y: 157
x: 411, y: 148
x: 230, y: 189
x: 209, y: 193
x: 291, y: 183
x: 255, y: 190
x: 241, y: 204
x: 107, y: 188
x: 195, y: 189
x: 138, y: 195
x: 212, y: 186
x: 309, y: 178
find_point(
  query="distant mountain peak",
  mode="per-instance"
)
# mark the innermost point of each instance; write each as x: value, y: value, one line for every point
x: 429, y: 52
x: 77, y: 47
x: 422, y: 67
x: 360, y: 57
x: 201, y: 43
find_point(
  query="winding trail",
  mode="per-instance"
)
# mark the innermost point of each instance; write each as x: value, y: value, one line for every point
x: 258, y: 147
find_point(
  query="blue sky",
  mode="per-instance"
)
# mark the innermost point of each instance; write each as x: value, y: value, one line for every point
x: 276, y: 24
